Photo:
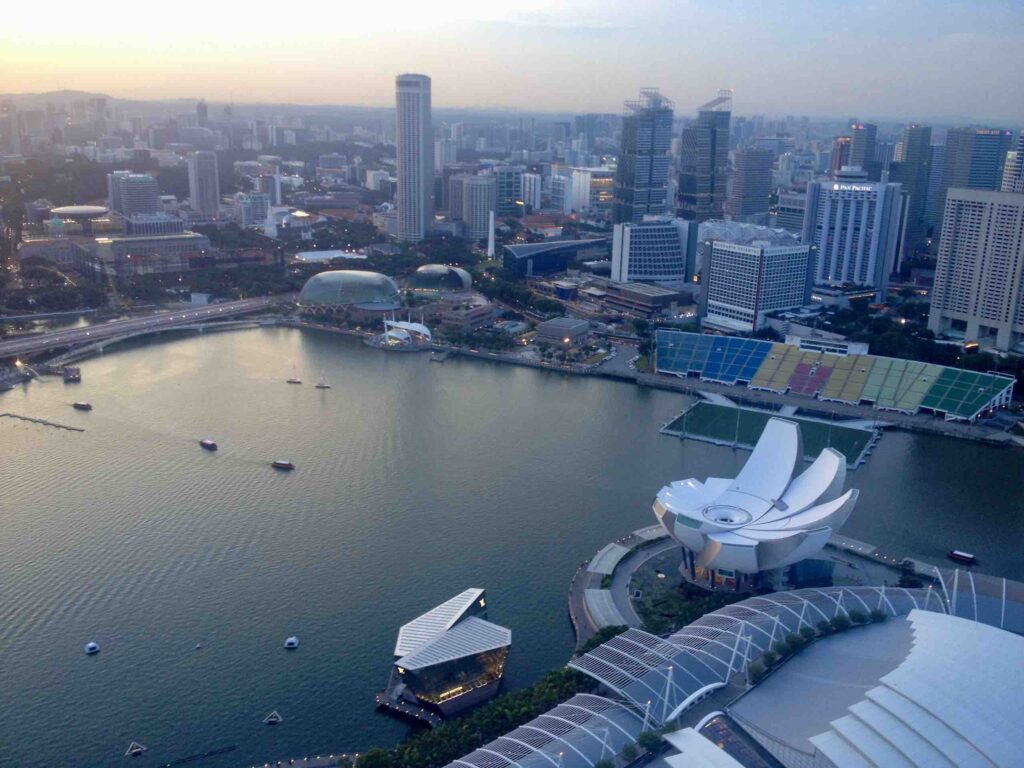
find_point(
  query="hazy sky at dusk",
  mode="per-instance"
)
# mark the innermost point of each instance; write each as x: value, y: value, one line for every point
x: 874, y: 58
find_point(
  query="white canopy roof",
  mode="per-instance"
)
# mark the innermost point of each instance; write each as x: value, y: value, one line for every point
x: 436, y: 621
x: 467, y: 638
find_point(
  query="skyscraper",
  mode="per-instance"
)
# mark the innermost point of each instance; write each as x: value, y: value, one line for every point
x: 1013, y: 169
x: 751, y: 185
x: 658, y: 249
x: 414, y: 145
x: 509, y: 180
x: 479, y: 198
x: 532, y: 184
x: 130, y: 193
x: 854, y: 226
x: 913, y: 172
x: 840, y: 154
x: 974, y: 159
x: 979, y: 273
x: 704, y: 161
x: 641, y: 180
x: 862, y: 147
x: 202, y: 113
x: 203, y: 182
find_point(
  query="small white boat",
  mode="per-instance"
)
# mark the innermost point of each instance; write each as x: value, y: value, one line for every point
x: 208, y: 445
x: 273, y: 718
x: 294, y: 377
x: 282, y: 464
x: 91, y: 649
x: 322, y: 383
x: 134, y: 749
x: 291, y: 643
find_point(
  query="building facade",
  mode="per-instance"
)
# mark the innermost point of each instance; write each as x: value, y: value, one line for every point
x: 479, y: 199
x: 130, y: 193
x: 854, y: 227
x: 642, y: 174
x: 974, y: 158
x: 979, y: 274
x: 204, y: 183
x: 704, y: 161
x: 509, y: 190
x: 789, y: 213
x: 414, y: 147
x: 751, y: 185
x: 913, y: 171
x: 532, y: 191
x: 744, y: 282
x: 659, y: 249
x: 1013, y: 169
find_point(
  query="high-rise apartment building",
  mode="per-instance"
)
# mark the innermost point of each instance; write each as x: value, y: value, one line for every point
x: 751, y: 185
x: 854, y: 226
x: 979, y: 273
x: 414, y: 149
x: 561, y: 193
x: 704, y: 161
x: 742, y: 282
x: 479, y: 199
x: 203, y: 182
x: 659, y: 249
x: 130, y: 193
x: 642, y: 174
x: 913, y: 171
x: 509, y: 182
x: 445, y: 153
x: 974, y: 159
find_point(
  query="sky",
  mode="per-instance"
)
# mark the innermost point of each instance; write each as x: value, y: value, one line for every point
x: 913, y: 59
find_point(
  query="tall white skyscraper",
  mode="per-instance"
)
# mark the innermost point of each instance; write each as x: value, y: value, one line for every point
x: 414, y: 141
x: 854, y: 226
x: 203, y: 182
x: 479, y: 199
x: 532, y: 185
x: 979, y: 272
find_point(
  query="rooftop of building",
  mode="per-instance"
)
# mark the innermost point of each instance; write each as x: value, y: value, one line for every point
x: 563, y: 324
x: 526, y: 250
x: 745, y: 234
x: 648, y: 290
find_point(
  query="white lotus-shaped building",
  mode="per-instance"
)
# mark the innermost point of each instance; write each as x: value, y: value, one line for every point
x: 764, y: 518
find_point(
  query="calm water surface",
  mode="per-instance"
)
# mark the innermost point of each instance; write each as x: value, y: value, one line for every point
x: 414, y: 481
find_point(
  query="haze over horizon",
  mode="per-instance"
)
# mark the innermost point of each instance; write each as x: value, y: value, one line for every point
x: 897, y: 59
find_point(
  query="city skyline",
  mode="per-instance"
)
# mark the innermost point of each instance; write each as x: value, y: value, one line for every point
x: 769, y: 56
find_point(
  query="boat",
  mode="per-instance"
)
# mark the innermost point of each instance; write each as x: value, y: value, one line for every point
x: 322, y: 383
x: 273, y: 718
x: 134, y: 749
x: 961, y: 557
x: 281, y: 464
x: 291, y: 643
x: 91, y: 649
x: 208, y: 445
x: 438, y: 356
x: 79, y: 405
x: 294, y: 377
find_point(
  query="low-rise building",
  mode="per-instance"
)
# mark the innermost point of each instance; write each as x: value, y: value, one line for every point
x: 563, y: 331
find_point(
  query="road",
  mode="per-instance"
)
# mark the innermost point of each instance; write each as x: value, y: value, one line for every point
x: 30, y: 345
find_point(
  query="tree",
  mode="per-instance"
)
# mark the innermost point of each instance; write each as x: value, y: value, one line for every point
x: 756, y: 670
x: 807, y: 633
x: 771, y: 658
x: 878, y: 614
x: 629, y: 752
x: 839, y: 623
x: 376, y: 758
x: 649, y: 741
x: 606, y: 763
x: 825, y: 627
x: 858, y: 617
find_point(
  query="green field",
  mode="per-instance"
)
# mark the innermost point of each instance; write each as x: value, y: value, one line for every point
x: 708, y: 421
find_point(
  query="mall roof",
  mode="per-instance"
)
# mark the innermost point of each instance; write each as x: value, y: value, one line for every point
x: 576, y: 734
x: 526, y: 250
x: 436, y: 621
x: 467, y: 638
x: 925, y: 690
x: 665, y: 676
x: 764, y: 518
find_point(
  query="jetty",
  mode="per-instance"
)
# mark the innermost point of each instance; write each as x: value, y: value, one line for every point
x: 43, y: 422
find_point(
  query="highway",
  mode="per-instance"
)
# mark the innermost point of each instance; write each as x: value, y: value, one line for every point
x: 31, y: 345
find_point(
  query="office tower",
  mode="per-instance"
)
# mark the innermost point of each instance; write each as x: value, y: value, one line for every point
x: 203, y: 182
x: 561, y: 193
x: 658, y: 249
x: 789, y: 213
x: 479, y: 198
x: 10, y: 129
x: 445, y: 153
x: 509, y: 182
x: 202, y: 114
x: 862, y: 145
x: 129, y: 193
x: 840, y: 154
x: 1013, y: 169
x: 414, y: 145
x: 704, y: 161
x: 974, y: 159
x: 932, y: 204
x: 532, y: 185
x: 913, y: 171
x: 448, y: 173
x: 270, y: 185
x: 854, y: 226
x: 593, y: 191
x: 585, y: 127
x: 751, y: 184
x: 251, y: 208
x: 979, y: 274
x: 744, y: 281
x: 642, y: 174
x: 456, y: 189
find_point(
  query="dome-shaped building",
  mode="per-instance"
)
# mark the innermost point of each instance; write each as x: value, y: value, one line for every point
x: 345, y: 290
x: 440, y: 278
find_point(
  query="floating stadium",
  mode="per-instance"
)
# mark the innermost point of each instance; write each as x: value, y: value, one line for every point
x: 887, y: 384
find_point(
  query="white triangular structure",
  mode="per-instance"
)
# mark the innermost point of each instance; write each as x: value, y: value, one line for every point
x: 273, y: 718
x: 436, y: 621
x: 134, y: 749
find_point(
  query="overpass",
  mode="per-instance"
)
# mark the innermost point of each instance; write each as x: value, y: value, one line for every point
x: 27, y: 346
